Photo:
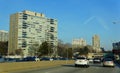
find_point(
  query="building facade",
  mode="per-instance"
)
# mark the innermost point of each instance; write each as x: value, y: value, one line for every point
x: 28, y: 28
x: 116, y: 45
x: 77, y: 43
x: 96, y: 43
x: 3, y: 36
x: 116, y: 48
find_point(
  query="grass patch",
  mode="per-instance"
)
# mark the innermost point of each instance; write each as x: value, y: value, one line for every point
x: 19, y: 66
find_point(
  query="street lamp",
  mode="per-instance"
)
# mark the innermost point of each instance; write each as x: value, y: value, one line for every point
x: 67, y: 56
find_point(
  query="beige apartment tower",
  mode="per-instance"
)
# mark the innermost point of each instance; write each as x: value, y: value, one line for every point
x: 28, y: 28
x: 96, y: 43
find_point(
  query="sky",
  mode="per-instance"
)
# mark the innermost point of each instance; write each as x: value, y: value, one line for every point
x: 76, y: 18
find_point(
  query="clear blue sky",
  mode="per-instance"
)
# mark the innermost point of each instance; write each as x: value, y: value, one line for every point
x: 76, y: 18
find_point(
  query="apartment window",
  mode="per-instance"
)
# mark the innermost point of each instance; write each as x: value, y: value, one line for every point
x: 52, y: 29
x: 24, y: 44
x: 52, y: 36
x: 24, y: 26
x: 25, y: 16
x: 24, y: 34
x: 51, y: 21
x: 52, y: 44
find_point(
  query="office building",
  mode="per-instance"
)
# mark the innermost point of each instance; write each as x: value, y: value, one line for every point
x: 3, y: 36
x: 28, y: 28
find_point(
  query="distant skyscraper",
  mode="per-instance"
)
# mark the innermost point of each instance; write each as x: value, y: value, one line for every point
x: 96, y: 43
x: 28, y: 28
x: 3, y: 36
x: 77, y: 43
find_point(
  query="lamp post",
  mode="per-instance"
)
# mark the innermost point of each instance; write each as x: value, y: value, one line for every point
x: 67, y: 56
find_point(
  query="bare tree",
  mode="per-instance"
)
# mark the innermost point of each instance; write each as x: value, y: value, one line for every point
x: 33, y: 49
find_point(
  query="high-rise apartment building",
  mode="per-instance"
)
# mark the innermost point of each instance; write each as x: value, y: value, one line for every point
x: 116, y: 45
x: 77, y: 43
x: 96, y: 43
x: 116, y: 48
x: 28, y: 28
x: 3, y: 36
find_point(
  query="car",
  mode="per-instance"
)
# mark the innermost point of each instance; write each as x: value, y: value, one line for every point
x: 81, y: 61
x: 31, y: 59
x: 90, y: 60
x: 97, y: 60
x: 10, y: 60
x: 2, y: 59
x: 46, y: 59
x: 37, y: 59
x: 108, y: 62
x: 63, y: 58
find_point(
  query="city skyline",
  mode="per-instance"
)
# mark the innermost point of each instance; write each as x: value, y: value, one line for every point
x: 76, y: 18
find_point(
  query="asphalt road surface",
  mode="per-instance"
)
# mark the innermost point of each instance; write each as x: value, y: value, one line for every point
x: 94, y: 68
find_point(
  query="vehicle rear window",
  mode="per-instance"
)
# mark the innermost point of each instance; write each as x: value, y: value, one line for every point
x: 80, y: 58
x: 108, y: 60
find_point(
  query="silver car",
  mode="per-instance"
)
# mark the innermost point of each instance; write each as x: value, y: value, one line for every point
x: 108, y: 62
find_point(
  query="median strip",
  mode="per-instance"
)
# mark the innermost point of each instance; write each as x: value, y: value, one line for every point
x: 19, y: 66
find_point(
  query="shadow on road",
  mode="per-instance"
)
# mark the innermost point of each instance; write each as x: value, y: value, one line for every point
x: 91, y: 65
x: 117, y: 64
x: 74, y: 66
x: 69, y: 65
x: 96, y: 65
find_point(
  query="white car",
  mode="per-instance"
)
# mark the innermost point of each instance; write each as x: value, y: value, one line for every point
x: 90, y: 60
x: 37, y: 59
x: 81, y: 61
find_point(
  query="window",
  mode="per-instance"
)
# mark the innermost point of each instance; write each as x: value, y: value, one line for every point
x: 52, y: 36
x: 52, y: 44
x: 24, y: 34
x: 51, y: 21
x: 24, y: 44
x: 25, y: 16
x: 24, y: 26
x: 52, y: 29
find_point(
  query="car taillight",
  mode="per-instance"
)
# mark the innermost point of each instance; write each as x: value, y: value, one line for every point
x: 111, y: 62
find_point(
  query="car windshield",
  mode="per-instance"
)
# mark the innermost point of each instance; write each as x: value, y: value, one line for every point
x: 96, y: 58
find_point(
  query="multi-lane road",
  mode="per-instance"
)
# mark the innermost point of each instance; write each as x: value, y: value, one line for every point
x: 94, y: 68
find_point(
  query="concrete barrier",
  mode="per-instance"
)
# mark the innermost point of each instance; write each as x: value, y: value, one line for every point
x: 18, y: 66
